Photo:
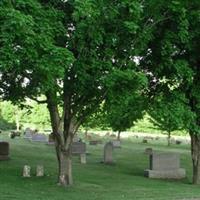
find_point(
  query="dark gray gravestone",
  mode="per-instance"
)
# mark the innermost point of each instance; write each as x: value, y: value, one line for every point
x: 14, y: 134
x: 165, y: 165
x: 178, y: 142
x: 78, y: 148
x: 148, y: 151
x: 51, y: 139
x: 108, y: 153
x: 145, y: 141
x: 93, y: 142
x: 4, y: 151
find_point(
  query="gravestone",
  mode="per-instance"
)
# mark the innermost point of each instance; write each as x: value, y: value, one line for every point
x: 148, y: 151
x: 27, y: 171
x: 78, y: 148
x: 116, y: 143
x: 39, y: 138
x: 51, y: 139
x: 39, y: 171
x: 14, y: 134
x: 172, y: 141
x: 108, y: 153
x: 178, y: 142
x: 76, y: 138
x: 113, y: 136
x: 83, y: 158
x: 145, y: 141
x: 165, y: 165
x: 148, y: 138
x: 4, y: 151
x: 93, y: 142
x: 157, y: 138
x: 28, y: 133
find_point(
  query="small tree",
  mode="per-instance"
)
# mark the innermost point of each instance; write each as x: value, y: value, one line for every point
x: 168, y: 113
x: 127, y: 106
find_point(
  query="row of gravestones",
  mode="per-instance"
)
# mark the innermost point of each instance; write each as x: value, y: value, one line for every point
x: 27, y: 171
x: 173, y: 141
x: 78, y: 148
x: 162, y: 165
x: 34, y: 136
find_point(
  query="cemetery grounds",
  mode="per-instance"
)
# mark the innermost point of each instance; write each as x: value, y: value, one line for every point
x: 94, y: 180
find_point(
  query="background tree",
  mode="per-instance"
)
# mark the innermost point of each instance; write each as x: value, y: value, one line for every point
x: 170, y: 113
x: 96, y: 121
x: 124, y: 107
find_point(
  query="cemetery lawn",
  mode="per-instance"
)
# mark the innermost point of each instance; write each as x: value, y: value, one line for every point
x: 93, y: 181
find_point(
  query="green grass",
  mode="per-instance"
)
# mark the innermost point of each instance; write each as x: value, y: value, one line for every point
x: 93, y: 181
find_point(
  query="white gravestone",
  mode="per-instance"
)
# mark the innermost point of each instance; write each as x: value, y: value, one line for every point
x: 27, y: 171
x: 39, y: 171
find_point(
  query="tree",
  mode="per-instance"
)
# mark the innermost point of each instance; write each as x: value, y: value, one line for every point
x: 6, y: 121
x: 172, y: 61
x: 170, y: 113
x: 96, y: 121
x: 71, y: 52
x: 124, y: 107
x: 12, y: 114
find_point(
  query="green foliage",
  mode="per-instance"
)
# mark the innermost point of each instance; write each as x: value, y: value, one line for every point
x: 170, y: 112
x: 36, y: 115
x: 172, y: 60
x: 29, y: 55
x: 97, y: 121
x: 81, y: 49
x: 32, y: 114
x: 125, y: 103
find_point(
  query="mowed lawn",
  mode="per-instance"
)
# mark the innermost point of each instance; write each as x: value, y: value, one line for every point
x: 94, y: 180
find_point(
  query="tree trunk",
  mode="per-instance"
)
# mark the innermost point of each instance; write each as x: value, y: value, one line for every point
x: 65, y: 168
x: 118, y: 135
x: 168, y: 139
x: 64, y: 129
x: 17, y: 120
x: 195, y: 152
x: 86, y: 133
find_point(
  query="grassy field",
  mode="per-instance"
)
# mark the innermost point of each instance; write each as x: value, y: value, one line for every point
x: 94, y: 181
